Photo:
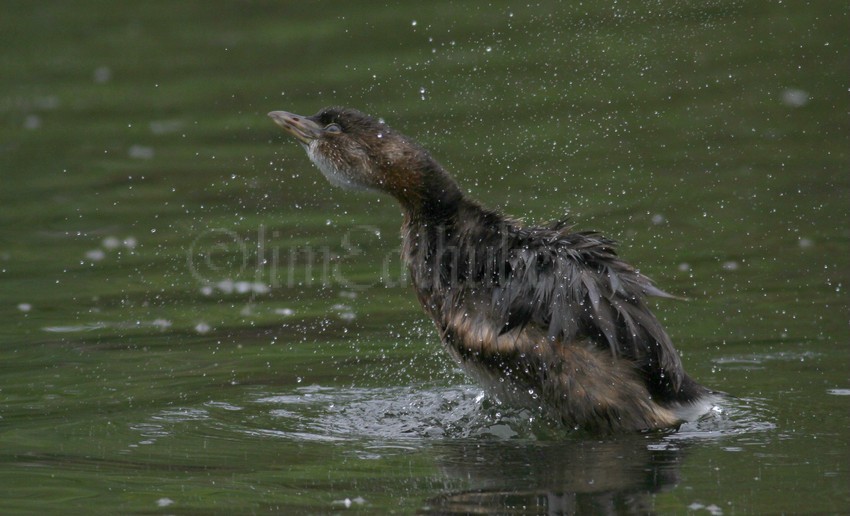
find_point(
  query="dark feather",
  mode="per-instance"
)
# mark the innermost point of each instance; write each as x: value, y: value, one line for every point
x: 541, y: 311
x: 571, y: 286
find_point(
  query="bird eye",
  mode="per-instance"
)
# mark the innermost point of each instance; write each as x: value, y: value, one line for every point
x: 333, y: 128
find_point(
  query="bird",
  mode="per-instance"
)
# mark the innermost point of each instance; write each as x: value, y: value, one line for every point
x: 543, y: 316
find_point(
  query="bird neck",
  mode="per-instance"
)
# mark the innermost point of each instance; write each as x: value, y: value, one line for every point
x: 439, y: 235
x: 429, y: 195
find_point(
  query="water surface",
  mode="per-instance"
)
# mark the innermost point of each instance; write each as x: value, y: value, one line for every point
x: 194, y: 321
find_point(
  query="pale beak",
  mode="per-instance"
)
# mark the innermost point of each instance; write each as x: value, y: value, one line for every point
x: 301, y: 127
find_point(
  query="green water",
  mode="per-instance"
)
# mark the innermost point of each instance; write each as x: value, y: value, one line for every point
x: 193, y: 321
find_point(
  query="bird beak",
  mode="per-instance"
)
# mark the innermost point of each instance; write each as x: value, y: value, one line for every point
x: 302, y: 128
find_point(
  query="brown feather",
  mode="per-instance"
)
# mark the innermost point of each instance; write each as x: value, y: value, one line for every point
x: 546, y: 314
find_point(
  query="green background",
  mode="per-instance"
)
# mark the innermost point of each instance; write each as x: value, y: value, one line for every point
x: 192, y: 320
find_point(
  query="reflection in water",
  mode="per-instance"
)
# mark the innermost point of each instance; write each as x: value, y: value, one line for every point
x: 576, y: 474
x: 505, y: 462
x: 489, y: 459
x: 616, y: 476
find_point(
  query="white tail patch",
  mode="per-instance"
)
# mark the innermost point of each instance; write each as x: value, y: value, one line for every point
x: 696, y: 409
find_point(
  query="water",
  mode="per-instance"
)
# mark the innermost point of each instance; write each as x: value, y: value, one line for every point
x: 194, y: 321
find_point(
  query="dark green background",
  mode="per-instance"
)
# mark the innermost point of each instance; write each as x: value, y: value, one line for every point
x: 711, y: 140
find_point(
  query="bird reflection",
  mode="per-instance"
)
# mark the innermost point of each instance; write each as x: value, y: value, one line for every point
x: 575, y: 477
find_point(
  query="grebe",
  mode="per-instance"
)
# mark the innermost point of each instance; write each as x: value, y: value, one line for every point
x: 550, y: 317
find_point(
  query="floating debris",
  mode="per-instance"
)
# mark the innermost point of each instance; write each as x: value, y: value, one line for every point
x: 228, y: 286
x: 348, y: 502
x: 74, y: 329
x: 165, y: 126
x: 32, y: 122
x: 111, y: 242
x: 344, y: 312
x: 712, y: 509
x: 795, y: 98
x: 225, y: 286
x: 102, y: 74
x: 162, y: 324
x: 95, y: 255
x: 731, y: 265
x: 141, y: 152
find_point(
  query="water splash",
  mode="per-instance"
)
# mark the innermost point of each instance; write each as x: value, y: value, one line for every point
x: 416, y: 414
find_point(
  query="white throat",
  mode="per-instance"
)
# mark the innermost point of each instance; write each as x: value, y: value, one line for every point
x: 329, y: 169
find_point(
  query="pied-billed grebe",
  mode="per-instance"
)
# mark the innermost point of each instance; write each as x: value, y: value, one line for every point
x: 543, y: 314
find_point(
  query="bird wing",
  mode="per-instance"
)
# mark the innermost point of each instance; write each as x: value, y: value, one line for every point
x: 573, y: 287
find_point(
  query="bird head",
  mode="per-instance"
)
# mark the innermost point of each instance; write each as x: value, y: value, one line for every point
x: 356, y: 151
